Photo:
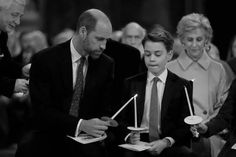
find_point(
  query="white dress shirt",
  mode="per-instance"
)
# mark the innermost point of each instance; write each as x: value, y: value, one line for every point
x: 160, y: 88
x: 75, y: 57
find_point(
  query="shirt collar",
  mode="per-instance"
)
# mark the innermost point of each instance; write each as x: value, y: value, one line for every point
x: 185, y: 61
x: 74, y: 54
x: 162, y: 76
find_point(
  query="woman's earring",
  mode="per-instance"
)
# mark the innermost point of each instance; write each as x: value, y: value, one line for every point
x: 207, y: 47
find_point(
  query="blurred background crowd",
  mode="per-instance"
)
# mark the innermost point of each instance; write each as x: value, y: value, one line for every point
x: 54, y: 16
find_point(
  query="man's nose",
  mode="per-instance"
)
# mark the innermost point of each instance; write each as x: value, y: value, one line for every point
x: 152, y: 57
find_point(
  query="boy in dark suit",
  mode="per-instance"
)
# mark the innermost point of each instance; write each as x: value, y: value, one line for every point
x: 161, y: 102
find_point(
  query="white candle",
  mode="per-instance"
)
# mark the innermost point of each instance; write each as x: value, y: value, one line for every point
x: 135, y: 112
x: 122, y: 107
x: 189, y: 105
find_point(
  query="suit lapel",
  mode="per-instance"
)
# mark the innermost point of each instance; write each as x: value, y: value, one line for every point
x: 168, y: 93
x: 141, y: 89
x: 66, y: 67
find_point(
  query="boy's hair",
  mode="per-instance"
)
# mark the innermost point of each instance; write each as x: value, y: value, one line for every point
x: 160, y: 35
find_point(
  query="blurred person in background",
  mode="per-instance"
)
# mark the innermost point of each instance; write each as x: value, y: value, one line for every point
x: 177, y: 48
x: 31, y: 42
x: 231, y: 56
x: 133, y: 34
x: 117, y: 35
x: 10, y: 72
x: 14, y: 44
x: 209, y: 78
x: 214, y: 53
x: 231, y: 49
x: 63, y: 36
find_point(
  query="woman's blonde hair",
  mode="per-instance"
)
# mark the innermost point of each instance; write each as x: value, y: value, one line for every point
x: 193, y: 21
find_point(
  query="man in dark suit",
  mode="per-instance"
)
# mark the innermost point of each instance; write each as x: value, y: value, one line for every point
x: 226, y: 118
x: 167, y: 133
x: 53, y: 86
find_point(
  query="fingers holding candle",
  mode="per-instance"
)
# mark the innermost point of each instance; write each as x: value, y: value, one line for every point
x: 198, y: 128
x: 194, y: 131
x: 112, y: 122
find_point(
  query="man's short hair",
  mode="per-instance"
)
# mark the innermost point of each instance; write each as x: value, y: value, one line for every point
x: 87, y: 20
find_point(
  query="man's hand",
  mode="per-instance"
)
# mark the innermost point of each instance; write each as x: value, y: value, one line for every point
x: 21, y: 85
x: 94, y: 127
x: 158, y: 146
x: 199, y: 128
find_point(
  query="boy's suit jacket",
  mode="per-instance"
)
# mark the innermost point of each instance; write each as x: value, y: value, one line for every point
x: 174, y: 107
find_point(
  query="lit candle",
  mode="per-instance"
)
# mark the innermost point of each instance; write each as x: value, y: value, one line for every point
x: 135, y: 112
x: 189, y: 105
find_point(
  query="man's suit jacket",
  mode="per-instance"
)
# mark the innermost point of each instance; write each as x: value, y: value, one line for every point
x: 9, y: 70
x: 226, y: 118
x: 174, y: 107
x: 232, y: 64
x: 51, y: 89
x: 127, y: 63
